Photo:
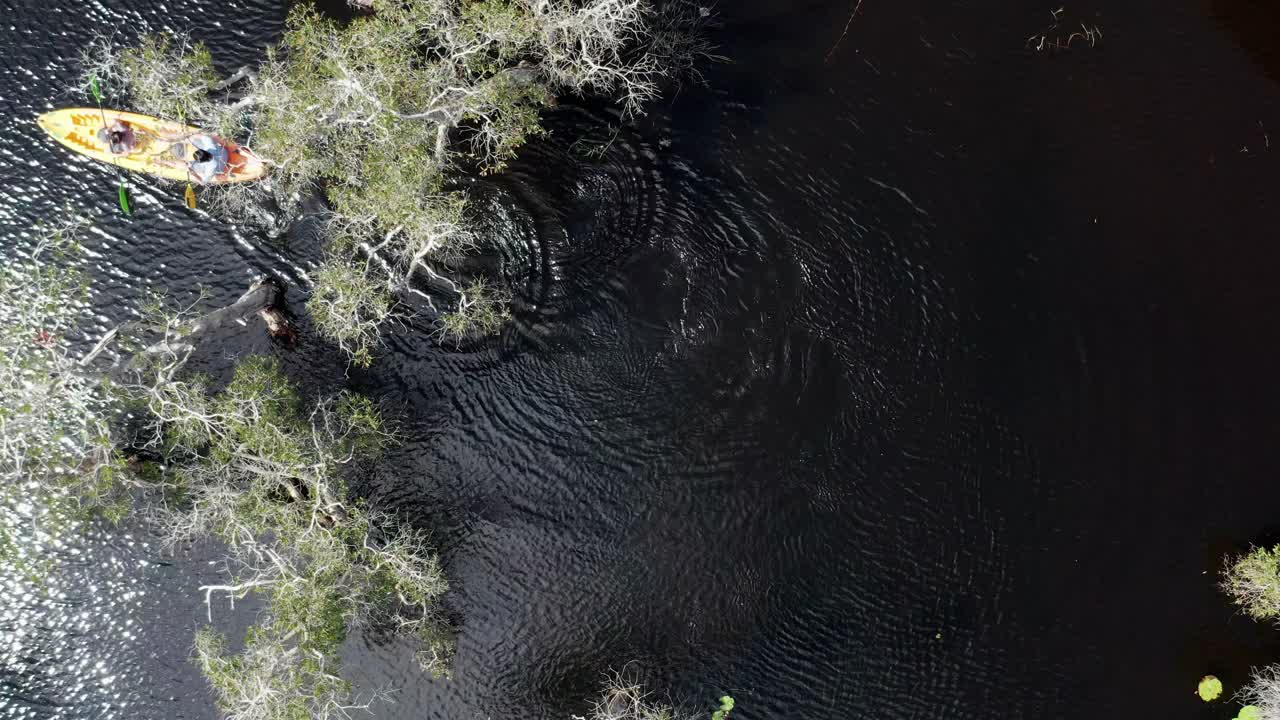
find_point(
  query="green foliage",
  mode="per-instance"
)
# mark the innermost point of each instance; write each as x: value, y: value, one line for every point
x: 482, y: 311
x: 169, y: 77
x: 1253, y: 582
x: 506, y: 31
x: 282, y: 685
x: 1262, y: 693
x: 263, y: 472
x: 1209, y: 689
x: 56, y: 443
x: 380, y: 112
x: 349, y: 306
x: 1249, y: 712
x: 251, y: 464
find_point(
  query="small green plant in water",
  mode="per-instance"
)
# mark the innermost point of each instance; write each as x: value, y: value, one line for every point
x: 1210, y: 688
x: 726, y: 707
x: 1249, y: 712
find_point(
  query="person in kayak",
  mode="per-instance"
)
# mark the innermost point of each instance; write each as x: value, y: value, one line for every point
x: 209, y: 160
x: 119, y: 138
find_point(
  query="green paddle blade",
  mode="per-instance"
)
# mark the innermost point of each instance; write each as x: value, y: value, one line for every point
x: 124, y: 199
x: 96, y: 89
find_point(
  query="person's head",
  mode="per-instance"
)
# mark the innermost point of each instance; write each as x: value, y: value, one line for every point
x: 117, y: 137
x: 203, y: 156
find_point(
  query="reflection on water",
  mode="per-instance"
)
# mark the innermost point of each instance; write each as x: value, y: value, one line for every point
x: 90, y: 625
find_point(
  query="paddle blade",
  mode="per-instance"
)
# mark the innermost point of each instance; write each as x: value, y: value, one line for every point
x: 124, y: 199
x: 96, y: 89
x: 191, y: 197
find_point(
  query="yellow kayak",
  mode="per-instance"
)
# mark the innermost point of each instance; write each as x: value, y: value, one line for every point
x: 160, y: 146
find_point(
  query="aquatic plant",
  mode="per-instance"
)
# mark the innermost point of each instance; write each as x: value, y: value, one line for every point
x: 626, y: 700
x: 349, y: 306
x: 481, y: 310
x: 1209, y: 688
x: 1249, y: 712
x: 381, y: 113
x: 169, y: 76
x: 1253, y: 582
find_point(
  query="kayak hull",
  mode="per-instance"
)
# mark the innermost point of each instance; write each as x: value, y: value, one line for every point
x: 161, y: 149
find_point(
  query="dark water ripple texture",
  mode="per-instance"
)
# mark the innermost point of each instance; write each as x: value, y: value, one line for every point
x: 930, y: 380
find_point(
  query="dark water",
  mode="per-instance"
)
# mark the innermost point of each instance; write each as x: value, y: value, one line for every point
x: 932, y: 381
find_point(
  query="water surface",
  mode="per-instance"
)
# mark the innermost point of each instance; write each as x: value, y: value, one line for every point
x: 930, y: 380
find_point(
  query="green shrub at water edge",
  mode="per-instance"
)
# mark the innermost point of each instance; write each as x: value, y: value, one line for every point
x: 1253, y: 582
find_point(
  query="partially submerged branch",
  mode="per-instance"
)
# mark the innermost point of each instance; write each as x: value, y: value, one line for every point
x: 482, y: 310
x: 624, y: 700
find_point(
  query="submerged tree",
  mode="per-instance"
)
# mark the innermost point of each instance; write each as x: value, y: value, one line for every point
x: 1253, y: 582
x: 56, y: 449
x: 381, y: 112
x: 626, y: 700
x: 260, y: 471
x: 125, y: 427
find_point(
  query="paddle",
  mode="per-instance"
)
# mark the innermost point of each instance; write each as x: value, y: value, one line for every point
x: 122, y: 190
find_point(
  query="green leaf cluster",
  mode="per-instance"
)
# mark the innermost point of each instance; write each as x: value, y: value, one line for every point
x: 1249, y: 712
x: 169, y: 77
x: 57, y: 446
x: 1209, y: 689
x: 348, y: 306
x: 483, y: 311
x: 1253, y: 582
x: 264, y: 472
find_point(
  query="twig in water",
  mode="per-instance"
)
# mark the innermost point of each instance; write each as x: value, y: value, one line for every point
x: 1051, y: 39
x: 847, y: 24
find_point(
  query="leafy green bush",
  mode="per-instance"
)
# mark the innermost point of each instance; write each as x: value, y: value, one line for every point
x: 56, y: 417
x: 380, y: 112
x: 481, y: 311
x: 263, y: 472
x: 170, y: 77
x: 251, y: 465
x: 1209, y: 689
x: 1253, y: 582
x: 349, y: 306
